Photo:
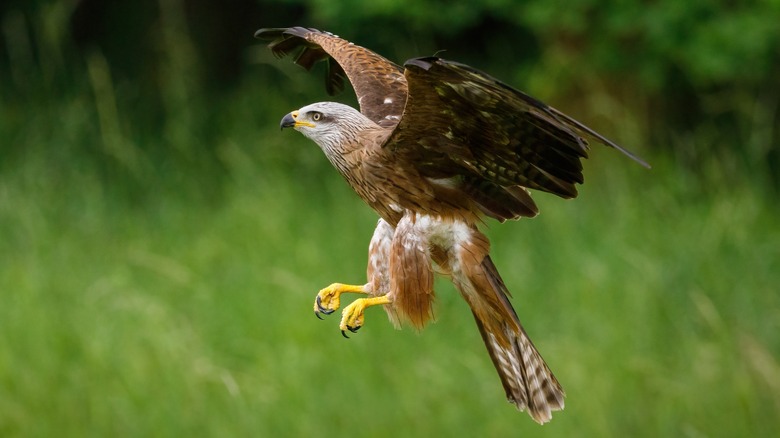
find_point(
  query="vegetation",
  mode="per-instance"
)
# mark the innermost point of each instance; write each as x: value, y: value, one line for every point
x: 161, y: 242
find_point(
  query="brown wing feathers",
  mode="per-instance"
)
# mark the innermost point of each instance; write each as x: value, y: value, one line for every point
x: 512, y: 140
x: 498, y: 202
x: 380, y: 85
x: 286, y: 41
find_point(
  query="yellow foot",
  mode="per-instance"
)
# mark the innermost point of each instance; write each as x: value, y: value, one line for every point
x: 352, y: 315
x: 329, y: 298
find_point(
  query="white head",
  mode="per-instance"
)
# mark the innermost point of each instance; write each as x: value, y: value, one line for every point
x: 329, y: 124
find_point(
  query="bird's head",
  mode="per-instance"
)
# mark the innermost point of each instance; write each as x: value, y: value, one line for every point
x: 327, y: 123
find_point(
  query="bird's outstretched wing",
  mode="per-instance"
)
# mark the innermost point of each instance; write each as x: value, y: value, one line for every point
x: 464, y: 126
x: 379, y: 84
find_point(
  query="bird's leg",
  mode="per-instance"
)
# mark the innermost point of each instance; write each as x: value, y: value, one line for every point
x: 352, y: 315
x: 329, y: 298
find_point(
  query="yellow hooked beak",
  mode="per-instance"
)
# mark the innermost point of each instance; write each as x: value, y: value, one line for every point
x: 291, y: 121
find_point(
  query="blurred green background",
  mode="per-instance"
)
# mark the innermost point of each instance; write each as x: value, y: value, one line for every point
x: 161, y: 242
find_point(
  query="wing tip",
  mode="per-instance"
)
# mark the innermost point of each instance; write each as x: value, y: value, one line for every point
x: 624, y: 151
x: 583, y: 129
x: 269, y: 33
x: 636, y: 159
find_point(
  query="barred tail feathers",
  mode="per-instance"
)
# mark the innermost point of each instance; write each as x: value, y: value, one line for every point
x: 527, y: 380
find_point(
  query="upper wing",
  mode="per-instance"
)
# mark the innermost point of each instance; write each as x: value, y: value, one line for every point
x: 464, y: 126
x: 379, y: 84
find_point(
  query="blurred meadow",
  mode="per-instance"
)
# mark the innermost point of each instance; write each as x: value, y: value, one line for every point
x: 161, y: 242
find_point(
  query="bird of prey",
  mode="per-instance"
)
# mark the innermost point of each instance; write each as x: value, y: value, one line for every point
x: 436, y: 147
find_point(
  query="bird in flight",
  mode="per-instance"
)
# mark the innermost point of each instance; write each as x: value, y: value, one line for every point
x: 436, y: 147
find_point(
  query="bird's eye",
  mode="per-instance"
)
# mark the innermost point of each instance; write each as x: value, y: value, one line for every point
x: 316, y: 116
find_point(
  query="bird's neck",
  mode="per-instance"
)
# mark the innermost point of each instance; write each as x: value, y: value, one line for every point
x: 347, y: 150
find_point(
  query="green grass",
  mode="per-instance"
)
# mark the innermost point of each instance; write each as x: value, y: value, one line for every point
x: 148, y: 291
x: 655, y: 304
x: 157, y: 270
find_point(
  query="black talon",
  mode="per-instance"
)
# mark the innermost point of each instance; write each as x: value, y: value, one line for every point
x: 354, y: 329
x: 344, y: 334
x: 322, y: 310
x: 317, y: 314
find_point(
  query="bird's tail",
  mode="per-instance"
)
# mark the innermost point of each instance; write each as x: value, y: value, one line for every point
x: 527, y: 380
